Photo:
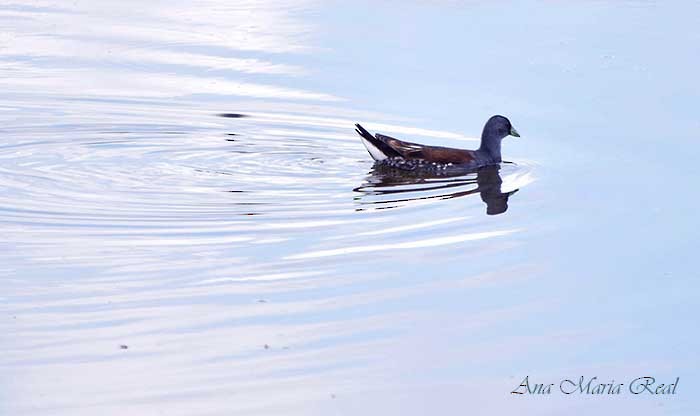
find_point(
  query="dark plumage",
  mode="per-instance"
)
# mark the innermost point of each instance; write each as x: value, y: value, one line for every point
x: 405, y: 155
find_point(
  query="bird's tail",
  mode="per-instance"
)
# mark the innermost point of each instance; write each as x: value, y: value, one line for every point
x: 376, y: 148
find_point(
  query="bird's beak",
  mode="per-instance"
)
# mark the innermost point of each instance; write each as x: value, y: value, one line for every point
x: 514, y: 132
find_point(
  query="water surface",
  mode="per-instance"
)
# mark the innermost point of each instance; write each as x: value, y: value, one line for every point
x: 190, y: 225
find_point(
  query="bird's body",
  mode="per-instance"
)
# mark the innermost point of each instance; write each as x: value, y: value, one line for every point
x: 411, y: 156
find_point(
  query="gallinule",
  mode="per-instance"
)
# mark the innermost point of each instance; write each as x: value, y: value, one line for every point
x: 411, y: 156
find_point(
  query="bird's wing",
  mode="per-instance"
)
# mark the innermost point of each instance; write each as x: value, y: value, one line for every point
x: 405, y: 149
x: 436, y: 154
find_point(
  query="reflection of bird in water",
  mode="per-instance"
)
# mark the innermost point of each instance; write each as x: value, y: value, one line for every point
x: 388, y: 181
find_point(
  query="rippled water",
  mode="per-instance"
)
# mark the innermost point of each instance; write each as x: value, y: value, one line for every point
x: 190, y: 225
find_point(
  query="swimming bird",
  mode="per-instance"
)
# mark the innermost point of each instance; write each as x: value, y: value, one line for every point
x: 412, y: 156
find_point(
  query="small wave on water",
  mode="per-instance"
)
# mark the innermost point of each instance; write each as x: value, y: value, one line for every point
x: 172, y: 184
x: 189, y: 224
x: 174, y: 211
x: 255, y: 229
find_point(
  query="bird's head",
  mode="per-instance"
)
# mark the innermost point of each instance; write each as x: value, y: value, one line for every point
x: 498, y: 127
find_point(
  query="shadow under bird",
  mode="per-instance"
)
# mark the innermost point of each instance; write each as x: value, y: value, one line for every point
x: 412, y: 156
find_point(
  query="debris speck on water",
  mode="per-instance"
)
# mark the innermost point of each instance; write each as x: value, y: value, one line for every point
x: 124, y: 347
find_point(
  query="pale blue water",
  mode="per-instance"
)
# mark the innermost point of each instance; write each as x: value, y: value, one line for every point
x: 258, y: 265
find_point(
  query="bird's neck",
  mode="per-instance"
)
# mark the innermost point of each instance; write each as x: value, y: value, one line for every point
x: 491, y: 148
